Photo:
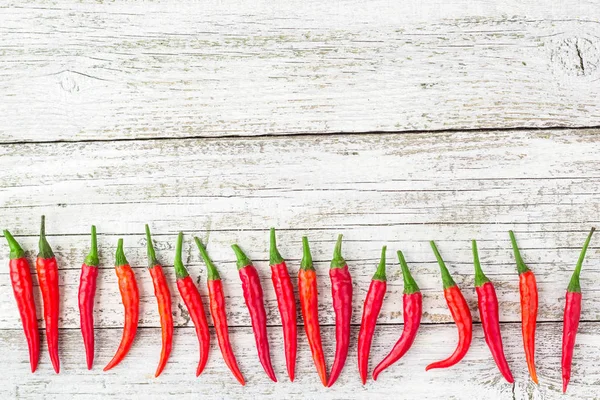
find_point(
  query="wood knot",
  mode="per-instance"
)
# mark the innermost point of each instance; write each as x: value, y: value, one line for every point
x: 67, y: 82
x: 577, y: 56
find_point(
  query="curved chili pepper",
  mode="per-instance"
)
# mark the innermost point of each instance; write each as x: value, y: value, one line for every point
x: 371, y: 309
x: 309, y: 303
x: 529, y: 307
x: 87, y: 292
x: 572, y: 316
x: 490, y: 316
x: 219, y: 313
x: 286, y: 302
x: 163, y: 298
x: 193, y: 302
x: 460, y: 313
x: 412, y: 301
x: 131, y: 303
x: 253, y: 295
x: 20, y: 277
x: 47, y: 271
x: 341, y: 292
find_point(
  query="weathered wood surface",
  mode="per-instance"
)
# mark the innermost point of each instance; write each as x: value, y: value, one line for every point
x: 101, y: 71
x: 475, y: 377
x: 399, y: 190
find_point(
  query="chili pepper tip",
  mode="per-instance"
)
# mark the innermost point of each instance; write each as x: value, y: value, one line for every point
x: 380, y: 273
x: 480, y: 278
x: 410, y: 286
x: 338, y: 261
x: 242, y: 259
x: 307, y: 262
x: 120, y: 255
x: 447, y: 280
x: 180, y: 270
x: 152, y: 261
x: 92, y: 257
x: 45, y: 249
x: 16, y: 251
x: 274, y: 255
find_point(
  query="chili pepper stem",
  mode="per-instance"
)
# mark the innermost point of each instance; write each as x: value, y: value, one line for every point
x: 574, y: 285
x: 16, y: 251
x: 521, y: 267
x: 152, y: 261
x: 480, y: 277
x: 338, y: 261
x: 274, y: 256
x: 45, y: 249
x: 446, y: 277
x: 212, y: 272
x: 242, y: 259
x: 180, y: 270
x: 120, y: 255
x: 410, y: 286
x: 380, y: 272
x: 92, y: 257
x: 307, y: 262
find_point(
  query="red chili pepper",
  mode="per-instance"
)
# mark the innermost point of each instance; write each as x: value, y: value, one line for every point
x: 371, y: 309
x: 193, y: 302
x: 341, y: 292
x: 163, y: 298
x: 286, y: 302
x: 47, y: 271
x: 219, y: 314
x: 309, y: 303
x: 87, y: 292
x: 131, y: 303
x: 253, y: 295
x: 529, y: 307
x: 20, y: 277
x: 413, y: 309
x: 460, y: 313
x: 490, y: 316
x: 572, y: 316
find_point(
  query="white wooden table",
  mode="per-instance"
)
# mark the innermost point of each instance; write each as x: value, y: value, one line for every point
x: 390, y: 123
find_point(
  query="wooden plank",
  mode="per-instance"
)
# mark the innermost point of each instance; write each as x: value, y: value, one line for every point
x: 475, y: 377
x: 376, y: 189
x: 173, y: 69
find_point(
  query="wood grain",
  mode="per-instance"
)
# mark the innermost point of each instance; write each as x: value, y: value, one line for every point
x: 375, y: 189
x: 475, y: 377
x: 178, y: 69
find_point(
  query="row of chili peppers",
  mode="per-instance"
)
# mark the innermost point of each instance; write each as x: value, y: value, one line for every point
x: 341, y: 287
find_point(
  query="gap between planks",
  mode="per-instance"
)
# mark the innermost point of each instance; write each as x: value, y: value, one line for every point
x: 324, y: 135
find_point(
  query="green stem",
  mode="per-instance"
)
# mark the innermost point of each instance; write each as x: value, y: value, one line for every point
x: 338, y: 261
x: 480, y: 277
x: 45, y: 249
x: 446, y: 277
x: 242, y: 259
x: 380, y: 273
x: 213, y: 273
x: 152, y: 261
x: 92, y: 257
x: 120, y: 256
x: 180, y: 271
x: 410, y: 286
x: 521, y: 267
x: 275, y: 257
x: 307, y: 262
x: 574, y: 283
x: 16, y: 251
